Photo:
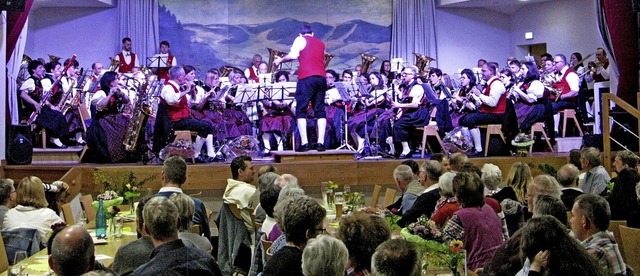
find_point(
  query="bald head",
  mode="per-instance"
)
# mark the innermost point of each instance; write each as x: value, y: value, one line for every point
x: 567, y: 176
x: 72, y: 251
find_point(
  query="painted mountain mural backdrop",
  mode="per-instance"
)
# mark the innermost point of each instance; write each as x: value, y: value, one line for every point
x: 212, y: 33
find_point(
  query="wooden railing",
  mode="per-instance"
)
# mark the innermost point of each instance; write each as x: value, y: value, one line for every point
x: 606, y: 134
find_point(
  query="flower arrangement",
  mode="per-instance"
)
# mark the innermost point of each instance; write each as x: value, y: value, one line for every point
x: 180, y: 147
x: 435, y: 250
x: 426, y: 229
x: 457, y: 140
x: 332, y: 185
x: 112, y: 211
x: 522, y: 142
x: 126, y: 185
x: 452, y: 258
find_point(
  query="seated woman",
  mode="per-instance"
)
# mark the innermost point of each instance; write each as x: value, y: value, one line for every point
x: 277, y: 116
x: 530, y: 103
x: 477, y: 225
x: 302, y: 220
x: 109, y: 127
x: 186, y: 210
x: 234, y: 113
x: 551, y: 251
x: 31, y: 211
x: 362, y: 233
x: 324, y: 256
x: 195, y: 97
x: 447, y: 205
x: 462, y: 102
x: 369, y: 109
x: 623, y: 199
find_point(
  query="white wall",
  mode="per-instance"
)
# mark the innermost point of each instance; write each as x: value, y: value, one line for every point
x: 465, y: 35
x: 90, y: 33
x: 565, y: 26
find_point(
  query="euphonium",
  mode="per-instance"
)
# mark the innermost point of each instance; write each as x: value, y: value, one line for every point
x: 114, y: 64
x: 139, y: 116
x: 225, y: 71
x: 327, y: 59
x: 422, y: 62
x: 367, y: 60
x: 273, y: 53
x: 26, y: 59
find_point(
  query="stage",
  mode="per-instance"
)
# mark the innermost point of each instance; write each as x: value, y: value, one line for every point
x: 208, y: 181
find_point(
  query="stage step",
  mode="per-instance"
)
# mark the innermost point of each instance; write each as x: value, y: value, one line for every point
x: 70, y: 155
x: 289, y: 156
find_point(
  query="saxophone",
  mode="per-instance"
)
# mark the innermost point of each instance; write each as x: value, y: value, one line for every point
x: 79, y: 95
x: 66, y: 95
x: 139, y: 116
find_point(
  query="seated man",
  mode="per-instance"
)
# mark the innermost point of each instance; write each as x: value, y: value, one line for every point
x: 493, y: 106
x: 409, y: 185
x: 395, y: 257
x: 568, y: 178
x: 589, y: 223
x: 430, y: 172
x: 240, y: 190
x: 567, y: 85
x: 596, y: 177
x: 171, y: 256
x: 175, y: 101
x: 72, y: 252
x: 136, y: 253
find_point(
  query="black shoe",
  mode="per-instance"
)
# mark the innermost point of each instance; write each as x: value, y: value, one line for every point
x: 404, y: 156
x: 303, y: 148
x: 219, y: 158
x: 474, y: 153
x: 82, y: 143
x: 54, y: 146
x: 320, y: 147
x: 202, y: 159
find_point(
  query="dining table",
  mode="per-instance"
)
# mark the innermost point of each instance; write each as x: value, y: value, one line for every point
x: 105, y: 249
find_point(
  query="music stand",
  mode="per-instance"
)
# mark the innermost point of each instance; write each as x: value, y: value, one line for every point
x: 265, y: 78
x: 281, y: 91
x: 346, y: 97
x: 396, y: 64
x: 158, y: 62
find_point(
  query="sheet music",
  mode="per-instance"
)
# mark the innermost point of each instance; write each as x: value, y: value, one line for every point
x: 246, y: 93
x: 282, y: 91
x: 396, y: 65
x: 344, y: 92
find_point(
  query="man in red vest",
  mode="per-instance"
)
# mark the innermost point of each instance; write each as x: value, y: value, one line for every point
x: 163, y: 61
x: 174, y: 99
x: 568, y: 83
x: 127, y: 59
x: 312, y: 84
x: 252, y: 72
x: 493, y: 106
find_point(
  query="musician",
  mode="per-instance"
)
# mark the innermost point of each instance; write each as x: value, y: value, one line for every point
x: 195, y: 96
x: 71, y: 113
x: 163, y: 61
x: 175, y: 101
x: 530, y: 103
x: 49, y: 117
x: 212, y: 106
x: 412, y: 115
x: 277, y: 118
x: 358, y: 70
x: 93, y: 85
x: 106, y: 134
x: 347, y: 75
x: 312, y: 84
x: 435, y: 80
x: 492, y: 106
x: 252, y: 72
x: 241, y: 125
x: 462, y: 102
x: 128, y: 60
x: 335, y: 110
x: 385, y: 71
x: 567, y: 83
x: 514, y: 66
x: 599, y: 70
x: 375, y: 105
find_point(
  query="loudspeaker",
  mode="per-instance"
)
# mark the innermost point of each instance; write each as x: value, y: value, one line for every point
x: 19, y: 146
x: 12, y: 5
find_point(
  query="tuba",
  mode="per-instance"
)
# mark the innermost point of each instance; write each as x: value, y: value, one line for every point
x: 225, y: 71
x: 327, y: 59
x: 273, y: 53
x: 26, y: 59
x: 52, y: 58
x: 23, y: 74
x: 367, y: 60
x: 422, y: 62
x: 139, y: 116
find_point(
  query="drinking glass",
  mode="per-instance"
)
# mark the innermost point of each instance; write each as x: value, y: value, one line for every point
x: 81, y: 219
x: 347, y: 193
x: 339, y: 197
x: 18, y: 257
x: 324, y: 189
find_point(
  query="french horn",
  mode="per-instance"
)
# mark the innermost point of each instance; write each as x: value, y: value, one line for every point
x: 422, y: 62
x: 273, y: 53
x: 367, y: 60
x: 53, y: 59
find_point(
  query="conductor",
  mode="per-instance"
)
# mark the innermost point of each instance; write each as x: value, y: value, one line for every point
x: 312, y: 84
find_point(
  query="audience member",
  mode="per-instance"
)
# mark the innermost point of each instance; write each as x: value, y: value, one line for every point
x: 543, y: 184
x: 286, y: 180
x: 568, y: 178
x: 240, y: 190
x: 563, y: 255
x: 324, y: 256
x: 447, y: 205
x: 267, y: 168
x: 429, y: 176
x: 409, y: 185
x: 362, y: 234
x: 396, y: 257
x: 596, y: 177
x: 186, y: 209
x: 443, y: 159
x: 623, y: 199
x: 492, y: 179
x: 72, y: 252
x: 589, y: 223
x: 171, y: 256
x: 31, y: 211
x: 477, y: 225
x: 136, y: 253
x: 456, y: 161
x: 7, y: 197
x: 302, y: 220
x: 265, y: 180
x: 268, y: 200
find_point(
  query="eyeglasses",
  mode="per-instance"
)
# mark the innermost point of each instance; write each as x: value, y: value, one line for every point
x: 406, y: 74
x: 321, y: 230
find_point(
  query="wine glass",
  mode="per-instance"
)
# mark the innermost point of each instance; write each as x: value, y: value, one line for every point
x: 18, y: 257
x: 82, y: 219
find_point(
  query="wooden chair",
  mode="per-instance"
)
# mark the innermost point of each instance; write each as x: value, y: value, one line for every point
x: 539, y: 127
x: 89, y: 211
x: 614, y: 228
x: 492, y: 129
x: 630, y: 237
x: 375, y: 196
x: 68, y: 214
x: 195, y: 229
x: 570, y: 113
x: 266, y: 246
x: 84, y: 115
x: 389, y: 197
x: 431, y: 129
x: 186, y: 136
x: 235, y: 211
x: 4, y: 259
